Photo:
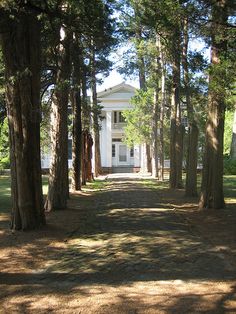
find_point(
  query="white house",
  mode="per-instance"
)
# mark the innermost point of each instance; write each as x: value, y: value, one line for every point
x: 116, y: 156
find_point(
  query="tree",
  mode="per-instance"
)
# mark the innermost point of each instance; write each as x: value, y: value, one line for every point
x: 192, y: 150
x: 20, y: 40
x: 77, y: 120
x: 176, y: 129
x: 212, y: 195
x: 58, y: 189
x: 138, y: 129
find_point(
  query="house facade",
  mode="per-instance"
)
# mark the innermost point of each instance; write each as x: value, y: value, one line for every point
x: 116, y: 156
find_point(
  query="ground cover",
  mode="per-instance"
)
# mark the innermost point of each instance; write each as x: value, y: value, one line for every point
x: 123, y: 246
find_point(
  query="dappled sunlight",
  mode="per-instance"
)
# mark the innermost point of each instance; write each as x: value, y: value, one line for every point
x: 163, y: 296
x: 229, y: 200
x: 4, y: 217
x: 125, y: 247
x: 212, y: 139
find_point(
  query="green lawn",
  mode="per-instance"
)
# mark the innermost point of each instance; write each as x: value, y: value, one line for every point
x: 5, y: 192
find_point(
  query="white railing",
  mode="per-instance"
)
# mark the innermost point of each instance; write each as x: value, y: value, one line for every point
x: 118, y: 126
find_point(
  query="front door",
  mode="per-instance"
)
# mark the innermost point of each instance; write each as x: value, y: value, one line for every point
x: 122, y: 154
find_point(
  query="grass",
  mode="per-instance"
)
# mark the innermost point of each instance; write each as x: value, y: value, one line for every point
x: 97, y: 185
x: 5, y: 192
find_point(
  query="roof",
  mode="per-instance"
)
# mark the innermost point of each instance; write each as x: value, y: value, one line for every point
x: 115, y: 89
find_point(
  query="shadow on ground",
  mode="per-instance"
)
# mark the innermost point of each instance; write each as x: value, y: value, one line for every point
x: 134, y: 239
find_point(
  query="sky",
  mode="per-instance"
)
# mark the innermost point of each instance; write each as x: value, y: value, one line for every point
x: 115, y: 78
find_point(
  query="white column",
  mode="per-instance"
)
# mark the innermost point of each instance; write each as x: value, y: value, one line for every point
x: 108, y: 138
x: 143, y: 159
x: 103, y: 146
x: 137, y: 156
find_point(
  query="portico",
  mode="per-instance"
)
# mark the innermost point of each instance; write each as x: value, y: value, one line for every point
x: 114, y: 152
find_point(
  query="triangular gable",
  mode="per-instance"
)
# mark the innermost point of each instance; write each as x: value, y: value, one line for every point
x: 117, y: 89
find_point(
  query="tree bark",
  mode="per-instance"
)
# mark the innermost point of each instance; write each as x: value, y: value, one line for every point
x: 142, y: 84
x: 86, y: 122
x: 156, y: 108
x: 22, y: 58
x: 155, y: 166
x: 58, y: 190
x: 76, y: 141
x: 176, y: 131
x: 96, y: 111
x: 162, y: 113
x: 192, y: 149
x: 77, y: 118
x: 212, y: 195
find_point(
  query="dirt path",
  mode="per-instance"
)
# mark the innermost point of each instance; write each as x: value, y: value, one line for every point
x: 125, y: 249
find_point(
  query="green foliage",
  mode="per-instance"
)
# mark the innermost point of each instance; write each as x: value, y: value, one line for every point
x: 229, y: 166
x: 45, y: 139
x: 229, y: 116
x: 138, y: 129
x: 4, y: 163
x: 4, y: 145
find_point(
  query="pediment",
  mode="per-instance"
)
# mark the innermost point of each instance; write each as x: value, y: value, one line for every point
x: 121, y: 91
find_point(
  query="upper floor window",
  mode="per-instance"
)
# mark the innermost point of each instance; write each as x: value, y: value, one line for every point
x: 132, y: 152
x: 118, y: 117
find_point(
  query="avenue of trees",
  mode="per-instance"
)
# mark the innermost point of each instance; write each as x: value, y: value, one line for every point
x: 52, y: 52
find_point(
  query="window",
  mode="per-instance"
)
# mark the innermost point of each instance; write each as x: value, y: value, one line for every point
x: 121, y: 118
x: 113, y: 150
x: 131, y: 152
x: 116, y: 140
x: 117, y: 117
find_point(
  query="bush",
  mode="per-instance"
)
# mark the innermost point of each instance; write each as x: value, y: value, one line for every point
x: 229, y: 165
x: 4, y: 163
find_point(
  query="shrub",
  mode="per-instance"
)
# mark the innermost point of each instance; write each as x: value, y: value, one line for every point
x: 229, y: 165
x: 4, y: 163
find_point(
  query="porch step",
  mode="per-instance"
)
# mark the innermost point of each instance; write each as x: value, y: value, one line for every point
x: 123, y: 169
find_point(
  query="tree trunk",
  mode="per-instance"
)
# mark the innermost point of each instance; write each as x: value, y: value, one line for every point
x: 176, y: 131
x: 89, y: 157
x: 76, y: 142
x: 162, y: 113
x: 85, y: 106
x: 212, y: 195
x: 155, y: 167
x: 96, y: 110
x: 77, y: 118
x: 22, y: 55
x: 233, y: 143
x: 191, y: 165
x: 58, y: 190
x: 192, y: 150
x: 142, y: 83
x: 83, y: 159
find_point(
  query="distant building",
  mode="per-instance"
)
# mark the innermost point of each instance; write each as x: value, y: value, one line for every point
x: 116, y: 156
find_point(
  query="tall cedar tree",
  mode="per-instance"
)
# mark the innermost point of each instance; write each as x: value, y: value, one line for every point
x: 176, y: 129
x: 58, y: 189
x: 212, y: 195
x: 192, y: 148
x: 20, y: 40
